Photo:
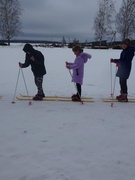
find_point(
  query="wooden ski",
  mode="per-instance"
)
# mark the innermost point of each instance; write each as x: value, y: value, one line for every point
x: 55, y: 99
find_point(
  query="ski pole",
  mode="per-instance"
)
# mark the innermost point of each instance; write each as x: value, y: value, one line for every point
x: 111, y: 84
x: 16, y: 87
x: 111, y: 78
x: 26, y: 86
x: 113, y: 88
x: 114, y: 81
x: 76, y: 88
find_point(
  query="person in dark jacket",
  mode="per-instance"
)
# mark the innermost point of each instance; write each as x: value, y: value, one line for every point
x: 124, y: 68
x: 36, y: 59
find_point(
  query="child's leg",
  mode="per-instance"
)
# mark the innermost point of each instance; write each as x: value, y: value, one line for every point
x: 38, y: 82
x: 79, y: 90
x: 123, y: 85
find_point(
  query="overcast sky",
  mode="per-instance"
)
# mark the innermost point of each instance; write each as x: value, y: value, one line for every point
x: 58, y: 18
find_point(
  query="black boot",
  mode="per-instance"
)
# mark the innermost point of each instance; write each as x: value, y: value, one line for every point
x: 38, y: 97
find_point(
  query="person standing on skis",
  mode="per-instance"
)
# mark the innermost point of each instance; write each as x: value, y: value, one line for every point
x: 36, y: 59
x: 124, y: 64
x: 78, y: 70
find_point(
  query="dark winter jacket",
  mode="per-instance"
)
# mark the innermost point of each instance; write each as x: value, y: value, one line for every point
x: 37, y: 66
x: 125, y: 62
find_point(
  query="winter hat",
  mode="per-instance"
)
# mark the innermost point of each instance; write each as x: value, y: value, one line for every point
x: 126, y: 41
x: 28, y: 48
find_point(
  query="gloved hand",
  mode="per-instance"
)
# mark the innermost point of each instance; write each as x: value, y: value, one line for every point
x: 111, y: 60
x: 67, y: 64
x: 20, y: 65
x: 117, y: 64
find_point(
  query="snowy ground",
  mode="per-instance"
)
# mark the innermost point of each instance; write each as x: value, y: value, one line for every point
x: 65, y: 141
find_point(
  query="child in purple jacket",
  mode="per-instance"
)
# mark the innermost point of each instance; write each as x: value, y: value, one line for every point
x: 78, y: 70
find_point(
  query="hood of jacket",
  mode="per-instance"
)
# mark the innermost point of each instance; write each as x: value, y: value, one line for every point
x: 28, y: 48
x: 85, y: 56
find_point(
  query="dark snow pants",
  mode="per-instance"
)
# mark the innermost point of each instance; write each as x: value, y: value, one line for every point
x: 79, y: 90
x: 123, y: 85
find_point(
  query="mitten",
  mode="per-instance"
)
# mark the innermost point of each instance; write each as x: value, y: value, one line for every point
x: 20, y: 65
x: 111, y: 60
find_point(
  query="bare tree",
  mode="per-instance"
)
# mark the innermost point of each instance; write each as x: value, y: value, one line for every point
x: 104, y: 20
x: 10, y: 24
x: 125, y: 19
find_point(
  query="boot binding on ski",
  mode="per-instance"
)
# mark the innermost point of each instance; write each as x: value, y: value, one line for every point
x: 38, y: 97
x: 75, y: 98
x: 123, y: 98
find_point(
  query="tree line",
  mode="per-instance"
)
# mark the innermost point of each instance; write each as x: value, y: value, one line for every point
x: 107, y: 21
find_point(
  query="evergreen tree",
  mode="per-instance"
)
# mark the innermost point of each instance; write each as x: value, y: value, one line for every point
x: 64, y: 41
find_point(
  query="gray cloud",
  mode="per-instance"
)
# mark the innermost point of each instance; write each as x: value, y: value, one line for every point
x: 59, y: 17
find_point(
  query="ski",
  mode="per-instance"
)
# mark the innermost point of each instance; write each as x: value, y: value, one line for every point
x: 131, y: 100
x: 55, y: 96
x: 54, y: 99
